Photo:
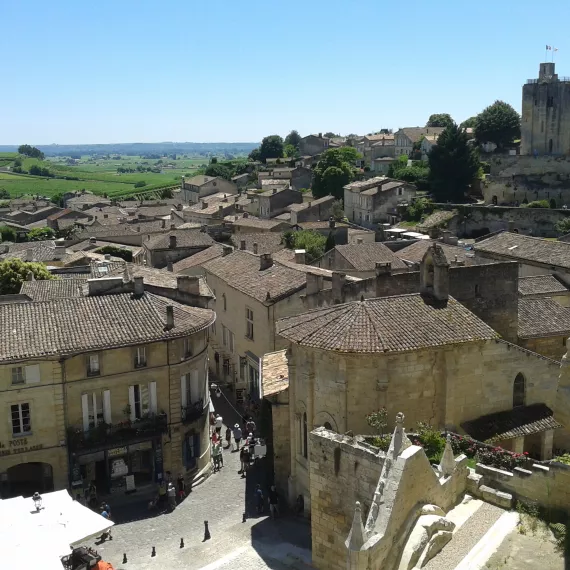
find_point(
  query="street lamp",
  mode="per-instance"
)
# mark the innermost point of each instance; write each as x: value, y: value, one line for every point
x: 37, y: 498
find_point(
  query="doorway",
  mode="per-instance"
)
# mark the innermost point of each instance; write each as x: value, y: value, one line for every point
x: 25, y: 479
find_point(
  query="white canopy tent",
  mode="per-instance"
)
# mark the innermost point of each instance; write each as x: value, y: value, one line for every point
x: 29, y: 537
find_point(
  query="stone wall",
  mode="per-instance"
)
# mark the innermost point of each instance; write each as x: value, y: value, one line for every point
x: 281, y: 441
x: 545, y: 485
x: 343, y: 470
x: 552, y: 346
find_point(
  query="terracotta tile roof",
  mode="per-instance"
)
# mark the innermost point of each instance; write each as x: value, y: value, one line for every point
x: 46, y: 290
x: 305, y: 205
x: 364, y: 256
x: 198, y: 180
x: 437, y: 218
x: 87, y: 245
x: 267, y: 242
x: 541, y: 285
x: 388, y: 324
x: 74, y: 325
x: 319, y: 225
x: 184, y: 238
x: 526, y: 248
x: 542, y: 317
x: 415, y: 252
x: 518, y: 422
x: 416, y: 133
x: 199, y: 258
x: 253, y: 222
x: 241, y: 271
x: 274, y: 373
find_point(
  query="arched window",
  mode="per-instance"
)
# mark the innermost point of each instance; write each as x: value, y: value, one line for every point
x: 519, y: 391
x: 305, y: 435
x: 224, y: 300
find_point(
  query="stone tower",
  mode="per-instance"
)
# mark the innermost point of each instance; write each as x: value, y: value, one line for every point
x: 545, y: 123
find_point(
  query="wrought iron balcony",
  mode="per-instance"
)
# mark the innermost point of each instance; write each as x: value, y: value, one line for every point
x: 122, y: 433
x: 193, y: 412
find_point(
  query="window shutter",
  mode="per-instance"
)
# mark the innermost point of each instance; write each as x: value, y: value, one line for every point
x: 183, y: 392
x: 152, y: 403
x: 195, y: 392
x: 85, y: 411
x: 107, y: 406
x: 132, y: 402
x: 32, y: 374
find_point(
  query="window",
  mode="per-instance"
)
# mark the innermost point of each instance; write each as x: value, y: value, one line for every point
x: 21, y: 419
x: 224, y: 336
x: 519, y: 391
x: 400, y: 191
x: 139, y: 400
x: 249, y: 323
x: 96, y: 409
x: 140, y: 357
x: 187, y: 348
x: 93, y: 365
x: 18, y: 375
x: 305, y: 435
x: 224, y: 301
x: 231, y: 339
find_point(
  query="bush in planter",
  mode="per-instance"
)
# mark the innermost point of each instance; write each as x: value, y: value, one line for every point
x: 381, y: 442
x: 431, y: 440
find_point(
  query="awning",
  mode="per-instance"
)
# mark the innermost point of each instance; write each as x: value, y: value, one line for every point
x: 211, y: 406
x: 518, y: 422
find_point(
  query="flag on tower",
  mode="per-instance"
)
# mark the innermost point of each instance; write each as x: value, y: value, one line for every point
x: 548, y: 48
x: 554, y: 49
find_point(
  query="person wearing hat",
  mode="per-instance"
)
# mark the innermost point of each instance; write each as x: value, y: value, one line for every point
x: 171, y: 496
x: 237, y: 436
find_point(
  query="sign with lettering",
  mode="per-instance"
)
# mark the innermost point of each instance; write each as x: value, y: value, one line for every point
x: 15, y: 446
x: 130, y: 481
x: 117, y: 451
x: 140, y: 446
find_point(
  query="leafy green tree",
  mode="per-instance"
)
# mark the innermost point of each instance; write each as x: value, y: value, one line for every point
x: 115, y: 251
x: 166, y: 193
x: 293, y: 138
x: 329, y: 135
x: 57, y: 199
x: 255, y: 155
x: 140, y: 184
x: 41, y: 234
x: 219, y: 170
x: 440, y: 120
x: 290, y: 151
x: 468, y: 123
x: 330, y: 243
x: 13, y: 273
x: 312, y: 242
x: 37, y: 170
x: 7, y: 234
x: 563, y: 226
x: 453, y: 164
x: 213, y: 160
x: 271, y: 147
x: 30, y: 151
x: 338, y: 210
x: 537, y: 204
x: 4, y: 194
x: 333, y: 171
x: 499, y: 123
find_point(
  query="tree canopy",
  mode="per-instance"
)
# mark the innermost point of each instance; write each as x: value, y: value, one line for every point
x: 293, y: 138
x: 217, y: 169
x: 41, y: 234
x: 7, y: 234
x: 468, y: 123
x: 439, y: 120
x: 329, y: 135
x: 499, y: 123
x: 333, y: 171
x: 13, y: 273
x: 453, y: 165
x: 271, y: 147
x: 30, y: 151
x: 416, y: 174
x: 312, y: 242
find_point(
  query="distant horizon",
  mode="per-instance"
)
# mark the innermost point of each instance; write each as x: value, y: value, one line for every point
x: 131, y: 143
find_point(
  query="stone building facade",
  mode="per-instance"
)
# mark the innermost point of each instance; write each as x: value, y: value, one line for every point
x: 545, y: 124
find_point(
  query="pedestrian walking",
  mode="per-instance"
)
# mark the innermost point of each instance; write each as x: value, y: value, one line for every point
x: 229, y: 437
x: 237, y: 436
x: 162, y: 497
x: 250, y: 426
x: 258, y: 499
x: 171, y: 497
x: 273, y: 502
x: 215, y: 438
x: 181, y: 488
x: 244, y: 459
x: 219, y: 424
x: 105, y: 512
x: 92, y: 495
x: 217, y: 456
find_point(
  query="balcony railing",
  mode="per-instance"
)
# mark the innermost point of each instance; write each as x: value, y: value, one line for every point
x: 193, y: 412
x: 117, y: 434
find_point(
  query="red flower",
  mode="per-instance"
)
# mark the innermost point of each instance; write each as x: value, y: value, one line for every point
x: 525, y: 453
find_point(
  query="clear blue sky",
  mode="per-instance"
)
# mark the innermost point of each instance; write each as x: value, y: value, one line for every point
x: 188, y: 70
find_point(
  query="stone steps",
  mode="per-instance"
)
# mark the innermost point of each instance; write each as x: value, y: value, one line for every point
x: 465, y: 539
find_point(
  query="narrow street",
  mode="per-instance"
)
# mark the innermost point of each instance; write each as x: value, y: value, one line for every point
x: 221, y: 500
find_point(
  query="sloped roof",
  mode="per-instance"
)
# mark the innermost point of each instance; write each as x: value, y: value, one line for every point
x: 312, y: 203
x: 541, y: 285
x: 199, y: 258
x: 267, y: 242
x: 72, y: 325
x: 275, y: 373
x: 518, y: 422
x: 414, y: 253
x: 364, y: 256
x: 48, y: 289
x: 416, y: 133
x: 388, y: 324
x: 526, y: 248
x: 184, y: 238
x: 542, y: 317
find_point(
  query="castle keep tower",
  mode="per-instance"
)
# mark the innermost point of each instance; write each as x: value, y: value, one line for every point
x: 545, y: 124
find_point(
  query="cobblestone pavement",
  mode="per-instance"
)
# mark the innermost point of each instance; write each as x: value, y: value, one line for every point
x: 221, y: 500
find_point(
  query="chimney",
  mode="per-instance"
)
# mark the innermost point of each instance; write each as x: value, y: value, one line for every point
x: 332, y: 223
x: 226, y: 250
x: 320, y: 135
x: 204, y: 205
x: 107, y: 257
x: 255, y: 248
x: 434, y: 274
x: 383, y: 268
x: 179, y: 207
x: 511, y: 225
x: 148, y: 237
x: 163, y: 223
x: 308, y: 204
x: 169, y: 266
x: 274, y: 190
x: 139, y: 285
x: 300, y: 256
x: 138, y: 228
x: 188, y: 284
x: 172, y: 241
x: 338, y: 282
x: 314, y: 283
x: 92, y: 240
x: 169, y: 317
x: 105, y: 215
x: 265, y: 260
x: 242, y: 244
x: 58, y: 252
x: 245, y: 215
x: 359, y: 241
x: 172, y: 226
x: 30, y: 276
x: 221, y: 211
